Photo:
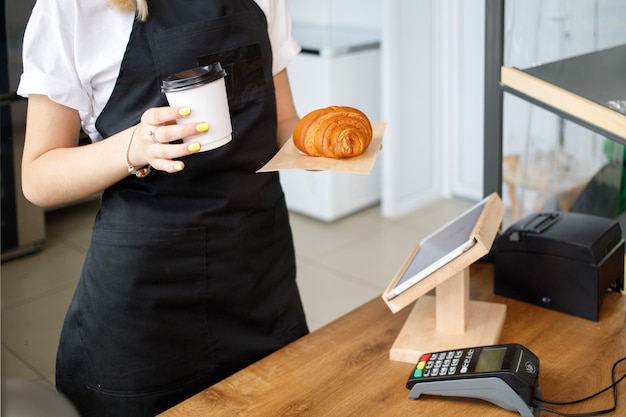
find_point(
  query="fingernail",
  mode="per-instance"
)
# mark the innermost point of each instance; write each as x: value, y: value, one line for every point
x: 178, y: 167
x: 202, y: 127
x: 194, y: 147
x: 185, y: 111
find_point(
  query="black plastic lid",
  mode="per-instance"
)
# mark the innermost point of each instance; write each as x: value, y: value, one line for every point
x: 194, y: 77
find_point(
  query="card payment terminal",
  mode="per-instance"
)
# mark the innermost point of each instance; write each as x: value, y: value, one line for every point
x: 505, y: 375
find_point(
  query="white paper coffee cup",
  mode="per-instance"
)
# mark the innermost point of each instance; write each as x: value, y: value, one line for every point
x: 202, y: 89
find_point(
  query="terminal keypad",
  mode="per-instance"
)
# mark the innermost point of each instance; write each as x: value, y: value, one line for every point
x: 445, y: 363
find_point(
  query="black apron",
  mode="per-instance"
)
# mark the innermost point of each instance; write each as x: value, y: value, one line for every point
x: 189, y: 276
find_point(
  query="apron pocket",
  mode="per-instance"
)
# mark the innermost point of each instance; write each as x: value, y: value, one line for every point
x: 248, y: 75
x: 245, y: 76
x: 143, y: 306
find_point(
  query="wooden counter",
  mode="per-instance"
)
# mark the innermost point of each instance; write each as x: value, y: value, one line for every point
x: 343, y: 369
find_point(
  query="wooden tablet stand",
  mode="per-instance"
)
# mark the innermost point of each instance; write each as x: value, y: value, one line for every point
x: 449, y: 319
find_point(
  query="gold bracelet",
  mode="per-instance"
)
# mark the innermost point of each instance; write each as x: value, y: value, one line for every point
x: 141, y: 172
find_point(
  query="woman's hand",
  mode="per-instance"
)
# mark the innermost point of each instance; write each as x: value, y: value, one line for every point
x: 55, y: 170
x: 151, y: 140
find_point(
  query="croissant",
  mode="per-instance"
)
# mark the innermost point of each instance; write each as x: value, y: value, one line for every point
x: 333, y: 132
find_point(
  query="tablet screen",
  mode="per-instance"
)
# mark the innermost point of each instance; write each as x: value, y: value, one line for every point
x: 440, y: 247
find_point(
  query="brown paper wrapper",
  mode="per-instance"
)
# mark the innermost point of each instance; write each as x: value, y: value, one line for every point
x: 289, y: 157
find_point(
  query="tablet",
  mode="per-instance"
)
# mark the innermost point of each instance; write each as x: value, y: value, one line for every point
x: 439, y: 248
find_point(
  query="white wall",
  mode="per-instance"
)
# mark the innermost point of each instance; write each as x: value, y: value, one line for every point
x: 460, y: 101
x: 410, y: 167
x: 434, y: 56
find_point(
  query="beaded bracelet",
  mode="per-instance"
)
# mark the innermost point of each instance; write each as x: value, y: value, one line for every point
x: 141, y: 172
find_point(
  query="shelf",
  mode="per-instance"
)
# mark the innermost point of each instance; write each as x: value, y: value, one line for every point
x: 581, y: 89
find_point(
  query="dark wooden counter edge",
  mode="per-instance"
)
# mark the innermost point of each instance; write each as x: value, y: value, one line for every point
x: 343, y: 369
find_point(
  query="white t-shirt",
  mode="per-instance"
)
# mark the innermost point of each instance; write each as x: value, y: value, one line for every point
x: 73, y: 50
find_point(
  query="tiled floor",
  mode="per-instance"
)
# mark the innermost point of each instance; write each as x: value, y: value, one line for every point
x: 341, y: 265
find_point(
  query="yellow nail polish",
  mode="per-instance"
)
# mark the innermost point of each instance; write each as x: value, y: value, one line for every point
x: 178, y: 167
x: 202, y: 127
x: 185, y: 111
x: 194, y: 147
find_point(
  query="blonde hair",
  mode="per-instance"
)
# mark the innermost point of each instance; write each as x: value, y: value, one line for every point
x: 139, y: 7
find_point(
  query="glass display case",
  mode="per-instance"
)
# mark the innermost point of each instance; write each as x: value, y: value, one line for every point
x: 555, y: 105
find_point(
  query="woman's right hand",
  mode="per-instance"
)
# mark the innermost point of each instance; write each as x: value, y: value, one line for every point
x: 55, y: 170
x: 151, y: 144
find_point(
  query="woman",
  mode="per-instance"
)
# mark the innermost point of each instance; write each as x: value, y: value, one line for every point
x: 190, y: 274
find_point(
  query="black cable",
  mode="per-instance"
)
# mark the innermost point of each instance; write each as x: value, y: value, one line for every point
x: 591, y: 413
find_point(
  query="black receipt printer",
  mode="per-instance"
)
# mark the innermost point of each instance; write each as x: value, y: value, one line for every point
x: 560, y: 260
